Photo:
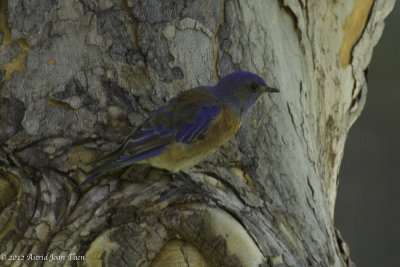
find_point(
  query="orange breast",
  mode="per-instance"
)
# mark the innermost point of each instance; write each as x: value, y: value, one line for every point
x: 180, y: 156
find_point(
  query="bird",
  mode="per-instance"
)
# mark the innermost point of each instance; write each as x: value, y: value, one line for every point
x: 189, y: 127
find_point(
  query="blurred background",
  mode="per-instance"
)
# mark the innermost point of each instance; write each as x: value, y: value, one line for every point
x: 368, y: 202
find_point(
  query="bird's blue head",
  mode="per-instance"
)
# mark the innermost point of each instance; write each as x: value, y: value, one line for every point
x: 241, y: 90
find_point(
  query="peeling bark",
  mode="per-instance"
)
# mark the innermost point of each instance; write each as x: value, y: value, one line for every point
x: 78, y: 76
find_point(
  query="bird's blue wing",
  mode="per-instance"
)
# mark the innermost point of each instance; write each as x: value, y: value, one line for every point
x: 197, y: 128
x: 183, y: 120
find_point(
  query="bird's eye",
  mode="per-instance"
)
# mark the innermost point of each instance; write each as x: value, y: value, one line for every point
x: 254, y: 86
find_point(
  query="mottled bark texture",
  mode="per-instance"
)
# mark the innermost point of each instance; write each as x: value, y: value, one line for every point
x: 79, y: 75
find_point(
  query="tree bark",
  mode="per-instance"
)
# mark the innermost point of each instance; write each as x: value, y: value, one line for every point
x: 78, y: 76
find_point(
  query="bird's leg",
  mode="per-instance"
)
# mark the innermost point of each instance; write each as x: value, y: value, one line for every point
x: 187, y: 179
x: 196, y: 186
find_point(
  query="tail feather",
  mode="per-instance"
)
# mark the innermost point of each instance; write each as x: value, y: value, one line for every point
x: 112, y: 162
x: 90, y: 178
x: 98, y: 171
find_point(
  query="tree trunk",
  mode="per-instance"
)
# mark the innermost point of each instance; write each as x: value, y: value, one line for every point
x: 78, y: 76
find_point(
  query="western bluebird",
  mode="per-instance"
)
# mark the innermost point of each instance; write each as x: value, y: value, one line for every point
x: 189, y: 127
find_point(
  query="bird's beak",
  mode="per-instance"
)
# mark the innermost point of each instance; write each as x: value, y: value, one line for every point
x: 270, y: 89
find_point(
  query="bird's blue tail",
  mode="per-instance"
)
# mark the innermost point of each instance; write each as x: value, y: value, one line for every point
x: 91, y: 178
x: 121, y: 162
